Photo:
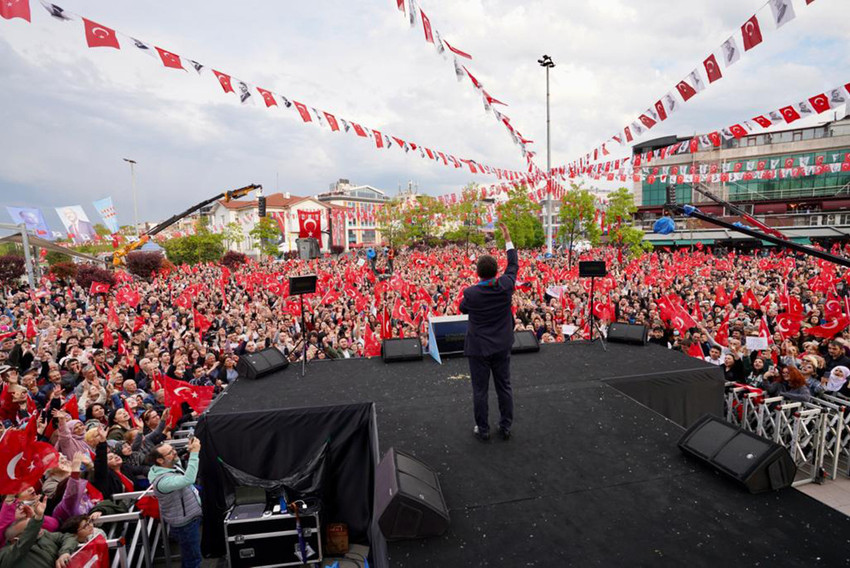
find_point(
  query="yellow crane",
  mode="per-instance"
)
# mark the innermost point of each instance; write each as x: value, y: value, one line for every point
x: 120, y: 254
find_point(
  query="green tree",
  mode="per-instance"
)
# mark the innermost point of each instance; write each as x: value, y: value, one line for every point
x: 390, y: 218
x: 621, y: 208
x: 420, y: 220
x: 57, y: 257
x: 101, y: 230
x: 266, y: 235
x: 467, y: 212
x: 191, y: 249
x: 577, y: 218
x: 233, y: 234
x: 522, y: 216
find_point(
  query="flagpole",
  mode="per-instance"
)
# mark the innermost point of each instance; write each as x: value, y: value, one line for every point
x: 547, y: 63
x: 135, y: 206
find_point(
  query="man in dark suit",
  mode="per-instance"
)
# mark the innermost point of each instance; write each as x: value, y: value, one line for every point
x: 489, y: 338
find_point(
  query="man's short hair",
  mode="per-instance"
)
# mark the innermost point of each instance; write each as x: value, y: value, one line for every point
x: 154, y: 454
x: 487, y: 267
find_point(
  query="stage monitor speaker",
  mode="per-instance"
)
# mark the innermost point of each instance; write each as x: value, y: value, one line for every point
x: 261, y: 363
x: 300, y: 285
x: 308, y: 248
x: 408, y: 500
x: 592, y: 269
x: 627, y: 333
x: 525, y: 342
x: 401, y: 349
x: 757, y: 463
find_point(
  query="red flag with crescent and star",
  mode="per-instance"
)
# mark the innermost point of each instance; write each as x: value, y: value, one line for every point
x: 100, y: 36
x: 310, y: 224
x: 15, y: 9
x: 24, y: 460
x: 95, y: 554
x: 178, y: 392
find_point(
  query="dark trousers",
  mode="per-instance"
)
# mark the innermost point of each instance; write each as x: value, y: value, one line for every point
x: 480, y: 368
x: 189, y: 538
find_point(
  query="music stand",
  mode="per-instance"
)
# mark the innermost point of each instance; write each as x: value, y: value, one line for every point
x: 298, y: 286
x: 593, y: 269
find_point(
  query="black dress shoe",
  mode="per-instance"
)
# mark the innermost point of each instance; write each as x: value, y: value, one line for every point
x: 481, y: 436
x: 504, y: 434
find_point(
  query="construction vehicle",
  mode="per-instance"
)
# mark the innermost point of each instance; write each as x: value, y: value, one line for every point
x: 120, y: 254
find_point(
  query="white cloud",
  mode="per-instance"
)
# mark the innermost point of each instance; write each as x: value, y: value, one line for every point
x: 70, y: 114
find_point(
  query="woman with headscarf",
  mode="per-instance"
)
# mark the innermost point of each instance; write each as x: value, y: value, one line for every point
x: 71, y: 435
x: 837, y: 380
x: 120, y: 424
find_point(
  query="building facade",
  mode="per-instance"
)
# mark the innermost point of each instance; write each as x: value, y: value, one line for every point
x: 356, y: 212
x: 796, y: 180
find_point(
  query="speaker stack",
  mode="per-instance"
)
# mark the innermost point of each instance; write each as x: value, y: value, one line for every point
x: 627, y: 333
x: 525, y: 342
x: 756, y: 463
x: 408, y: 500
x: 261, y: 363
x: 401, y: 349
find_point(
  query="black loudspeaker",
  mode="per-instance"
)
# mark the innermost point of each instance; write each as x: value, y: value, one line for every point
x: 759, y: 464
x: 592, y: 269
x: 525, y: 342
x: 408, y: 500
x: 627, y: 333
x: 261, y: 363
x: 401, y: 349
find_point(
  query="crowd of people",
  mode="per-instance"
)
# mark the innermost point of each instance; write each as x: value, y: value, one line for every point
x: 90, y: 369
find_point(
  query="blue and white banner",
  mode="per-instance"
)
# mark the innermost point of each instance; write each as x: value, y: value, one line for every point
x: 107, y: 213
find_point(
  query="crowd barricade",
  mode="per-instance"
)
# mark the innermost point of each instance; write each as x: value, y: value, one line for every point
x: 132, y: 529
x: 118, y: 552
x: 836, y: 446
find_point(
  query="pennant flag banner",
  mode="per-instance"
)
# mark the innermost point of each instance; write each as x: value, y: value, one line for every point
x: 815, y: 104
x: 107, y: 213
x: 775, y: 13
x: 452, y: 54
x: 100, y: 35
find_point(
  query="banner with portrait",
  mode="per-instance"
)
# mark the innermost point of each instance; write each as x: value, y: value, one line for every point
x: 33, y: 219
x: 80, y: 230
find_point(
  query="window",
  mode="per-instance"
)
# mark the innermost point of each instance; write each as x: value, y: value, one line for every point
x: 369, y: 236
x: 751, y: 141
x: 352, y: 237
x: 797, y: 136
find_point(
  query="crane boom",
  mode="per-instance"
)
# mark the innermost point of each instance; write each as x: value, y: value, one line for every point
x: 121, y: 253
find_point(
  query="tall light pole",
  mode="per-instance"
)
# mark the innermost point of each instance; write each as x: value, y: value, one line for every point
x: 547, y: 63
x: 135, y: 207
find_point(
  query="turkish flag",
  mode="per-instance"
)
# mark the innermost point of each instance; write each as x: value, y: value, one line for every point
x: 332, y: 121
x: 386, y: 325
x: 302, y: 110
x: 720, y: 296
x: 761, y: 165
x: 682, y: 321
x: 685, y: 90
x: 749, y: 300
x: 628, y: 134
x: 373, y: 344
x: 662, y: 112
x: 31, y: 331
x: 788, y: 324
x: 715, y: 139
x: 830, y: 329
x: 752, y: 33
x: 95, y: 554
x: 457, y: 51
x: 224, y: 81
x: 694, y: 145
x: 202, y: 324
x: 647, y: 121
x: 24, y: 460
x: 764, y: 122
x: 820, y: 103
x: 789, y: 162
x: 426, y: 25
x: 737, y: 131
x: 100, y: 36
x: 169, y: 59
x: 359, y: 130
x: 789, y: 113
x: 15, y: 9
x: 268, y: 97
x: 178, y: 392
x: 310, y: 224
x: 138, y: 322
x: 112, y: 315
x: 98, y: 288
x: 722, y: 334
x: 712, y: 69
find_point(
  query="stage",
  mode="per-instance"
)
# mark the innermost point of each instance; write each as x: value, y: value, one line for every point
x: 591, y: 476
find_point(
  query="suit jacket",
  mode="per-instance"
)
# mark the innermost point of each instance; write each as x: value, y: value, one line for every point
x: 488, y: 304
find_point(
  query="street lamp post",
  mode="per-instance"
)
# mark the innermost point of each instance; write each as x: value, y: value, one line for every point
x: 547, y: 63
x: 135, y: 206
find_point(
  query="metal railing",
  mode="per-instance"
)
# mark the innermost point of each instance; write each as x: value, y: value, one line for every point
x: 780, y: 220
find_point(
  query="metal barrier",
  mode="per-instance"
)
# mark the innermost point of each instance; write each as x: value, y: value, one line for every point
x: 836, y: 443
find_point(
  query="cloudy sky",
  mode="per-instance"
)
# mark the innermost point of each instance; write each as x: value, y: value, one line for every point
x: 70, y: 114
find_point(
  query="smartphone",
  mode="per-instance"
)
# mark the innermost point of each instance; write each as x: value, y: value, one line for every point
x: 55, y: 403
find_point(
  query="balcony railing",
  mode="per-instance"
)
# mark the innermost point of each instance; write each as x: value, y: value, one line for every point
x: 802, y: 220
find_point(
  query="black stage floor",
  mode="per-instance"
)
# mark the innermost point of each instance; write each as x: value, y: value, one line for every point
x: 591, y: 477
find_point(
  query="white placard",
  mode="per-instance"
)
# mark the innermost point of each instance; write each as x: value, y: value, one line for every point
x: 756, y: 343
